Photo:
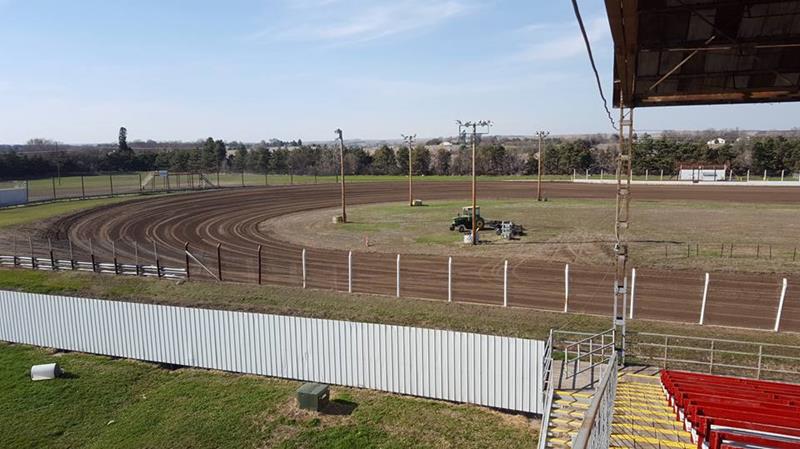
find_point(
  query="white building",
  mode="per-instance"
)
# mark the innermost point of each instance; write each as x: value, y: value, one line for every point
x: 703, y: 173
x: 718, y: 142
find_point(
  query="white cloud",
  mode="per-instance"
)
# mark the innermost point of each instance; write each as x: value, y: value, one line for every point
x: 333, y: 22
x: 560, y: 42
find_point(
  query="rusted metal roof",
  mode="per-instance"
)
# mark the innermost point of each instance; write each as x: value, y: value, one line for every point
x: 684, y: 52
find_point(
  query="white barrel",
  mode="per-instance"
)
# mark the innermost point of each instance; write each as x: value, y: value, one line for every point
x: 45, y: 372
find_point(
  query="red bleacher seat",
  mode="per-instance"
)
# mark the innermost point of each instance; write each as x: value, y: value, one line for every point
x: 732, y: 413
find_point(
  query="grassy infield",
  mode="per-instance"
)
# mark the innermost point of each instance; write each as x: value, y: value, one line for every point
x: 122, y: 403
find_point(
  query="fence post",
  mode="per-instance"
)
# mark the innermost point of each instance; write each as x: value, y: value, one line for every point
x: 711, y: 359
x: 71, y: 255
x: 259, y: 264
x: 304, y: 267
x: 566, y: 288
x: 186, y: 255
x: 574, y: 174
x: 765, y: 175
x: 111, y: 183
x: 52, y: 258
x: 662, y: 174
x: 91, y: 254
x: 705, y: 297
x: 780, y: 305
x: 760, y: 353
x: 350, y: 272
x: 114, y: 256
x: 633, y: 292
x: 505, y: 284
x: 33, y: 256
x: 450, y: 279
x: 587, y: 174
x: 782, y: 173
x: 158, y: 262
x: 53, y: 180
x: 647, y: 175
x: 140, y: 182
x: 748, y: 175
x: 136, y: 258
x: 219, y: 261
x: 397, y: 293
x: 27, y: 191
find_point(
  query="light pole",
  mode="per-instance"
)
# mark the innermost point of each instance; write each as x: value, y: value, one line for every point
x: 341, y: 167
x: 463, y: 127
x: 541, y: 135
x: 410, y: 142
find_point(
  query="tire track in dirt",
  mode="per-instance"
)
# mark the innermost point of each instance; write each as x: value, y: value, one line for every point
x: 232, y: 217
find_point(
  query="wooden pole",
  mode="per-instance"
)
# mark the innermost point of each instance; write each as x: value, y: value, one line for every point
x: 259, y: 264
x: 186, y: 255
x: 219, y: 261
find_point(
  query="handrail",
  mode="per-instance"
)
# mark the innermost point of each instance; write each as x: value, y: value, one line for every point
x: 595, y: 430
x: 548, y: 392
x: 689, y: 337
x: 589, y: 338
x: 756, y: 362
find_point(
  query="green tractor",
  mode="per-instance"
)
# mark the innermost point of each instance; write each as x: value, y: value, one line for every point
x: 463, y: 222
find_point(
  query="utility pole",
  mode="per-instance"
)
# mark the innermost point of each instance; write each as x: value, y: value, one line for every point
x: 410, y: 142
x: 484, y: 126
x: 341, y: 164
x: 541, y: 135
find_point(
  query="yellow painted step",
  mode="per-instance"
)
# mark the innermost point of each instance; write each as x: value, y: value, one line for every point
x: 639, y: 411
x: 568, y: 403
x: 658, y: 442
x: 625, y: 427
x: 574, y: 394
x: 647, y: 419
x: 566, y: 422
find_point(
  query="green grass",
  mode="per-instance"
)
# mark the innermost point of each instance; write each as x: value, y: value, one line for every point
x: 30, y: 214
x: 573, y: 231
x: 105, y: 403
x: 525, y: 323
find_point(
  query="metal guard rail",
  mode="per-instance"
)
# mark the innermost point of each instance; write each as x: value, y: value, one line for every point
x: 595, y: 430
x: 548, y: 391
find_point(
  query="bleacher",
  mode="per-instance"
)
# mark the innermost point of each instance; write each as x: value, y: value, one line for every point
x: 732, y: 413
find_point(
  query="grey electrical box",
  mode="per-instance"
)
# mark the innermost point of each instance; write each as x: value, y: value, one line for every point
x: 313, y: 396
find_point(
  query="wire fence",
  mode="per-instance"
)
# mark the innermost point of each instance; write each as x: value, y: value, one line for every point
x: 114, y: 184
x: 748, y: 300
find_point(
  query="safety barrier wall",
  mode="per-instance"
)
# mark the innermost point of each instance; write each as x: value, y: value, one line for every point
x: 12, y: 197
x: 493, y: 371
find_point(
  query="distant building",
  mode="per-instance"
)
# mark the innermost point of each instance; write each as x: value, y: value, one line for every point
x: 717, y: 142
x: 702, y: 172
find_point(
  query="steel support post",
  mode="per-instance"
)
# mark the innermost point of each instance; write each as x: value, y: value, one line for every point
x: 622, y: 215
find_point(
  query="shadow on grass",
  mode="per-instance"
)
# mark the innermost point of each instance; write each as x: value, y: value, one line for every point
x: 339, y: 407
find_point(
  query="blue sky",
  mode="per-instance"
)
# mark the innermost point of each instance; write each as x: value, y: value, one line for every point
x: 248, y: 70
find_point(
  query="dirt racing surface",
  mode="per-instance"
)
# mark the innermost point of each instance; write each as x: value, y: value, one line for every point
x: 234, y: 219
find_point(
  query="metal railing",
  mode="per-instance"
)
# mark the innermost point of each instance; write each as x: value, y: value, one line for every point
x: 547, y: 390
x: 595, y: 430
x: 717, y: 356
x: 585, y: 354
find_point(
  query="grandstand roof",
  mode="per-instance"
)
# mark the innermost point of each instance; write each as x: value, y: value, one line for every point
x: 687, y: 52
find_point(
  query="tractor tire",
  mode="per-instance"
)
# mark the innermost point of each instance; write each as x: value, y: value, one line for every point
x: 480, y: 224
x: 461, y: 229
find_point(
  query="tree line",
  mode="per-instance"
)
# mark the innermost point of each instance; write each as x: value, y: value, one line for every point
x: 493, y: 157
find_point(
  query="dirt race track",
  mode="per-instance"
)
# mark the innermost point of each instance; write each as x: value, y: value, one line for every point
x: 232, y: 218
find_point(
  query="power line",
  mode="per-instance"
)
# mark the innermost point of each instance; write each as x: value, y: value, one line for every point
x: 591, y: 60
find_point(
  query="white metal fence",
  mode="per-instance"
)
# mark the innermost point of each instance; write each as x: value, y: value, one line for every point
x: 487, y: 370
